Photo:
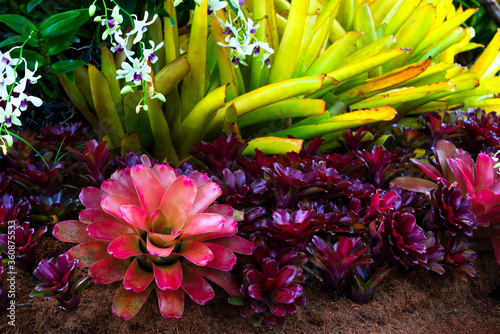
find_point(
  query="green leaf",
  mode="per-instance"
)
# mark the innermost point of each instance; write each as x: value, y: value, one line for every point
x: 46, y: 89
x: 65, y: 66
x: 19, y: 24
x: 18, y: 39
x: 32, y: 4
x: 71, y: 77
x: 151, y: 5
x: 137, y: 122
x: 237, y: 300
x: 55, y: 18
x: 59, y: 44
x: 41, y: 293
x: 130, y: 143
x: 63, y: 25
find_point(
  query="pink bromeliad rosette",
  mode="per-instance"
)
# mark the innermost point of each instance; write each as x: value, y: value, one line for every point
x: 152, y: 229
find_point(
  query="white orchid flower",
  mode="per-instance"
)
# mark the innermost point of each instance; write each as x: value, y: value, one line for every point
x: 9, y: 116
x: 136, y: 72
x: 114, y: 24
x: 29, y: 78
x: 7, y: 78
x: 249, y: 26
x: 215, y: 5
x: 140, y: 26
x: 120, y: 45
x: 149, y: 54
x: 22, y: 100
x: 6, y: 60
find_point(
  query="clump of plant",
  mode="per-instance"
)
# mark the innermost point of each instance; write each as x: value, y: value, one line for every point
x: 60, y: 281
x: 478, y: 181
x: 364, y: 280
x: 12, y: 210
x: 154, y: 230
x: 25, y: 239
x: 337, y: 261
x: 270, y: 290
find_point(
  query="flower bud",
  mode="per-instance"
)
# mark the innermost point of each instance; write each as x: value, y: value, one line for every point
x: 159, y: 96
x: 126, y: 90
x: 92, y: 10
x: 97, y: 19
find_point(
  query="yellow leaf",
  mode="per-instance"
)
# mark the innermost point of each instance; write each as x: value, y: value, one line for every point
x: 273, y: 145
x: 387, y: 80
x: 487, y: 58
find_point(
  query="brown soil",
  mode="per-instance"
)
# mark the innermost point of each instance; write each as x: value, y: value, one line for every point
x: 406, y: 302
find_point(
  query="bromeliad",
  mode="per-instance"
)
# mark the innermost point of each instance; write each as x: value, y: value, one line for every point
x: 152, y: 229
x: 478, y: 181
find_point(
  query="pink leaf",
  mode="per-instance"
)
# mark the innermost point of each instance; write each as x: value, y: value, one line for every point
x: 163, y: 239
x: 159, y: 222
x: 136, y: 278
x: 223, y: 259
x: 206, y: 194
x: 108, y: 231
x: 277, y: 310
x: 148, y: 188
x: 461, y: 180
x: 91, y: 197
x: 165, y: 174
x: 72, y: 231
x: 487, y: 198
x: 428, y: 169
x: 160, y: 251
x: 203, y: 223
x: 114, y: 187
x: 196, y: 252
x: 171, y: 303
x: 236, y: 244
x: 109, y: 270
x: 224, y: 279
x: 89, y: 252
x: 467, y: 177
x: 284, y: 277
x: 484, y: 173
x: 124, y: 177
x: 413, y: 184
x: 283, y: 296
x: 125, y: 246
x: 168, y: 277
x: 255, y: 291
x: 177, y: 201
x: 221, y: 209
x: 112, y: 203
x: 127, y: 303
x: 199, y: 178
x: 445, y: 149
x: 195, y: 286
x: 466, y: 158
x: 94, y: 215
x: 229, y: 229
x: 134, y: 216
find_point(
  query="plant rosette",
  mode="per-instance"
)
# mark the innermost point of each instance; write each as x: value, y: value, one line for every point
x: 152, y: 229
